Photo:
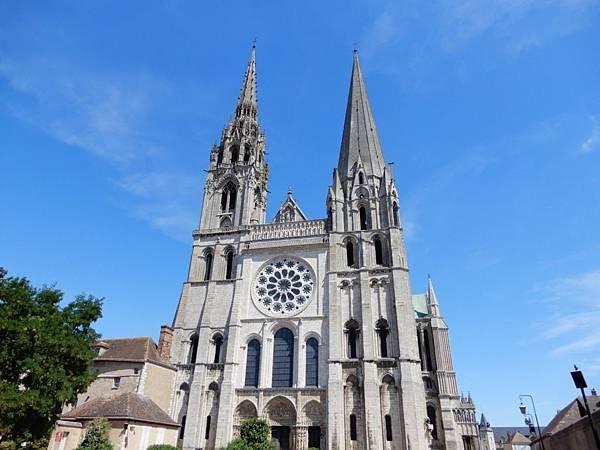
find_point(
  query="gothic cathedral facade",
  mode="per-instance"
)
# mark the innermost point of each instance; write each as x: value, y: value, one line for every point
x: 311, y: 324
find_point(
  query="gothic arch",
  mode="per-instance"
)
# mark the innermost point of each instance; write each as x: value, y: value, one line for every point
x: 214, y: 386
x: 351, y: 251
x: 313, y: 413
x: 245, y: 410
x: 388, y: 379
x: 280, y: 411
x: 352, y: 380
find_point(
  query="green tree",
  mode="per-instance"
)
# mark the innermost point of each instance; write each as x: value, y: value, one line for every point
x: 45, y: 356
x: 254, y: 435
x: 96, y: 436
x: 161, y: 447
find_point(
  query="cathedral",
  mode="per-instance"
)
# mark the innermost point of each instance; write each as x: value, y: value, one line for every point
x: 311, y: 324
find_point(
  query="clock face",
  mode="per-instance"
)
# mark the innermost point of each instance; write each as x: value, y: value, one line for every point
x: 284, y: 286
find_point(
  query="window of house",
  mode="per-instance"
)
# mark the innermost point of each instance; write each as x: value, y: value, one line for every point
x: 312, y: 362
x: 136, y: 371
x: 116, y: 382
x: 252, y: 363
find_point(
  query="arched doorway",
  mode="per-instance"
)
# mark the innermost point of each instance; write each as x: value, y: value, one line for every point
x: 281, y: 415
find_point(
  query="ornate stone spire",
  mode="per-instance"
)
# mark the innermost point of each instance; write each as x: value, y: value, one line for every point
x: 434, y: 307
x: 360, y: 139
x: 247, y: 103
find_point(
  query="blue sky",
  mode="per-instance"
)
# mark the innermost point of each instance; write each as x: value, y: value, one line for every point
x: 490, y: 111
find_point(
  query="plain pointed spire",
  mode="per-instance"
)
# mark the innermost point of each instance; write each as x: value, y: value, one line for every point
x: 360, y: 139
x: 434, y: 307
x: 247, y: 103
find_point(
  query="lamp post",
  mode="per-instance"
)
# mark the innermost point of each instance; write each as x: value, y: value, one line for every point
x: 580, y: 383
x: 523, y: 409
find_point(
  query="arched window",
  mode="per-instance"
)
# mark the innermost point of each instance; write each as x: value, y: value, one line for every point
x: 220, y: 156
x: 235, y: 154
x: 229, y: 265
x: 232, y: 198
x: 427, y: 345
x: 193, y: 349
x: 252, y: 363
x: 378, y: 250
x: 353, y: 431
x: 388, y: 427
x: 224, y: 199
x: 396, y: 215
x: 226, y: 223
x: 432, y: 420
x: 364, y: 224
x: 208, y: 260
x: 246, y: 154
x: 283, y: 358
x: 312, y: 362
x: 352, y: 333
x: 218, y: 343
x: 349, y: 253
x: 361, y: 178
x: 383, y: 330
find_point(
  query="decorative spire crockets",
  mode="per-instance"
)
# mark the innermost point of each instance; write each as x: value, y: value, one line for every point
x: 360, y: 141
x: 247, y: 103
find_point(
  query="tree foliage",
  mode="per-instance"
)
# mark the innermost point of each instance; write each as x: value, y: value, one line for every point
x: 96, y: 436
x: 161, y: 447
x: 254, y: 435
x: 45, y: 356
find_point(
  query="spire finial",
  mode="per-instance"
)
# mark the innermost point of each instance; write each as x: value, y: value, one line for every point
x: 289, y: 190
x: 247, y: 103
x: 254, y: 42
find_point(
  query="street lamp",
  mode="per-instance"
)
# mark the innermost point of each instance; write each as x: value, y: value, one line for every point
x: 523, y: 410
x: 580, y: 383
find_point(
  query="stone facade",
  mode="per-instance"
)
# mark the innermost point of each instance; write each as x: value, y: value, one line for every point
x: 311, y: 324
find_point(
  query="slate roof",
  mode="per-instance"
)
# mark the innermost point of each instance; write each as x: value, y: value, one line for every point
x: 503, y: 433
x: 125, y: 406
x: 570, y: 414
x: 518, y: 438
x: 137, y: 349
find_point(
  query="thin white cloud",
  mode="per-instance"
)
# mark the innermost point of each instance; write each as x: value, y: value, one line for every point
x: 574, y: 327
x: 592, y: 142
x: 106, y: 115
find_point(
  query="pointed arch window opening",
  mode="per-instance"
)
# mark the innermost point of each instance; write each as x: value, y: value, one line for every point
x: 283, y: 358
x: 364, y: 220
x: 361, y: 178
x: 193, y: 349
x: 350, y: 260
x: 431, y: 415
x: 228, y: 197
x: 246, y: 154
x: 427, y: 349
x: 252, y: 363
x: 235, y: 154
x: 218, y: 343
x: 312, y: 362
x: 378, y: 251
x: 396, y: 214
x: 220, y: 155
x: 229, y: 265
x: 352, y: 332
x: 382, y: 329
x: 208, y: 262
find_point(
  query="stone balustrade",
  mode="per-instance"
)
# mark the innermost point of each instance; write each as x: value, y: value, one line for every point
x: 284, y: 230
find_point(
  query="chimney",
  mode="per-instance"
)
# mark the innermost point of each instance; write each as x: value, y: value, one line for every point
x: 164, y: 342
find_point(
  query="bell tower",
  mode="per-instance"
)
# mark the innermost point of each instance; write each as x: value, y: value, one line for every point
x: 236, y: 184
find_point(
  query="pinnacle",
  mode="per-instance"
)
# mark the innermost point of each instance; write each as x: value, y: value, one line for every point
x: 247, y: 103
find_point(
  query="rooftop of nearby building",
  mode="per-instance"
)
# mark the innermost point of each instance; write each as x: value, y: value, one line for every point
x: 136, y: 349
x: 503, y: 434
x: 571, y: 413
x: 124, y: 406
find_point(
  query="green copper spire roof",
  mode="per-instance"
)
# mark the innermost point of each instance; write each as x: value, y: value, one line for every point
x: 360, y: 139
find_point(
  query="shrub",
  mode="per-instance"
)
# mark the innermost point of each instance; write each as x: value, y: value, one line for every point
x: 96, y: 436
x: 161, y: 447
x: 237, y: 444
x: 255, y: 431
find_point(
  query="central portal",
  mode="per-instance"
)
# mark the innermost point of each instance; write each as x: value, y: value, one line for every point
x: 280, y: 438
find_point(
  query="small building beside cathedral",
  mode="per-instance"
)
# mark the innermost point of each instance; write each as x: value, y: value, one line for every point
x: 311, y: 324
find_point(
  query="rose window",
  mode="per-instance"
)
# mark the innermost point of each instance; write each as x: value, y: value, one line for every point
x: 283, y: 286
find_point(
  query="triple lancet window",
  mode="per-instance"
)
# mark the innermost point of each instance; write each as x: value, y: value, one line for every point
x: 228, y: 197
x: 282, y: 364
